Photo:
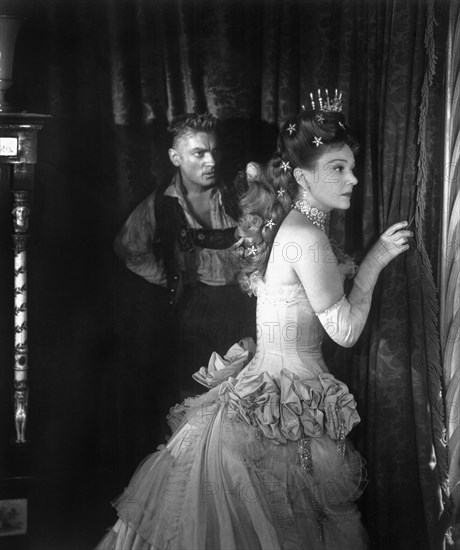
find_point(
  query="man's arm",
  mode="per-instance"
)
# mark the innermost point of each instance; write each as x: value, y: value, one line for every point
x: 135, y: 243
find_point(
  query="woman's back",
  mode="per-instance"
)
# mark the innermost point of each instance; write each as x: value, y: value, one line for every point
x: 289, y: 334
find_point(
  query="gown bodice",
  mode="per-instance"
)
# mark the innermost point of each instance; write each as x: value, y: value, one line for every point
x: 289, y: 334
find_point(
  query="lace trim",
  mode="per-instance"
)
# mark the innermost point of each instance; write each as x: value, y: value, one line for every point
x: 279, y: 293
x: 271, y: 293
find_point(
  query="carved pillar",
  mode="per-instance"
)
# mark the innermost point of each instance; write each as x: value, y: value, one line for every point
x: 21, y: 211
x: 18, y: 149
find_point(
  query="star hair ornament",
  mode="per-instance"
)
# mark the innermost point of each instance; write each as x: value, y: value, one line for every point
x: 317, y: 141
x: 290, y: 128
x: 285, y: 166
x: 320, y: 118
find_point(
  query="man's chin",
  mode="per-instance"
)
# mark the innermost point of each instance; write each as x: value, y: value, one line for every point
x: 208, y: 181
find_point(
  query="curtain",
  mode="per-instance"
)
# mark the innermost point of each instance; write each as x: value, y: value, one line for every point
x: 112, y: 74
x: 449, y: 268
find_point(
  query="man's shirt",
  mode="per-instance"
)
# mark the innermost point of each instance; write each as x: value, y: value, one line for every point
x: 137, y: 242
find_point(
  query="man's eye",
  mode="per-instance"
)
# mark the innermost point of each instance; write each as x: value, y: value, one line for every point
x: 199, y: 154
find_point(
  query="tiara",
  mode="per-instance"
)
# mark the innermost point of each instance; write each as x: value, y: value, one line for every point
x: 327, y: 103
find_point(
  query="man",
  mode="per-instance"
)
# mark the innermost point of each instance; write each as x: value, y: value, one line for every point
x: 181, y: 237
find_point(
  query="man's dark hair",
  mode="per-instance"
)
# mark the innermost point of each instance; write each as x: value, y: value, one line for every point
x: 191, y: 123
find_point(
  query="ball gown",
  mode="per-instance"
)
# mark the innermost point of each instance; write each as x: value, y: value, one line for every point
x: 262, y: 459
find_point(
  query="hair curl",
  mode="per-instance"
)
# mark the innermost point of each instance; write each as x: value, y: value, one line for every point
x: 272, y: 188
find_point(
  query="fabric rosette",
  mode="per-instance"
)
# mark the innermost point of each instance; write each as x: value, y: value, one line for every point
x: 221, y: 368
x: 339, y: 406
x: 256, y: 401
x: 292, y: 408
x: 300, y: 407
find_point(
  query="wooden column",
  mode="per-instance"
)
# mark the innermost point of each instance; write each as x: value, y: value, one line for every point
x: 18, y: 150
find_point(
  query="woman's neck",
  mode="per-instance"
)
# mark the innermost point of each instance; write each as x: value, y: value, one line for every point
x: 316, y: 215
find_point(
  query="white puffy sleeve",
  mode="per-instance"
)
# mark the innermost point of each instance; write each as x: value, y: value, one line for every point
x: 344, y: 321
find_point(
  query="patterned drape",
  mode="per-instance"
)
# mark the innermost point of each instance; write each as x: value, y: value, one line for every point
x: 450, y: 267
x: 113, y: 74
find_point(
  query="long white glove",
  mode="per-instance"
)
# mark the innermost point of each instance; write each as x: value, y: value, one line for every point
x: 344, y: 321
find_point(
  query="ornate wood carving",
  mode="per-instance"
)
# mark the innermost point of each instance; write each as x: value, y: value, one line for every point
x: 18, y: 149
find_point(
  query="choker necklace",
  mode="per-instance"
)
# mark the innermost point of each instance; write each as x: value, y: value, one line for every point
x: 315, y: 215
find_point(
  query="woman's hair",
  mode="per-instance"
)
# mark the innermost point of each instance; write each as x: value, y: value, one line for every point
x: 272, y: 188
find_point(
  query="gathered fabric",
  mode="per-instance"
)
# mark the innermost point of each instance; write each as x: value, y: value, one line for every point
x: 259, y: 461
x: 292, y: 408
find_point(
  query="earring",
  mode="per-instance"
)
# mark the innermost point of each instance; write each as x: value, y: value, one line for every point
x: 306, y: 192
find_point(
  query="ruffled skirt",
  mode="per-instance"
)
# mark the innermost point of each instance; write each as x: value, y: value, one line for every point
x: 253, y: 464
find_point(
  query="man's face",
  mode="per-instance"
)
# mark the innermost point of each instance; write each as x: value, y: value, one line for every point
x: 197, y: 156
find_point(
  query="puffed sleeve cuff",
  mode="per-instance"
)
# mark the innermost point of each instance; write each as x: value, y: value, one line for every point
x: 339, y: 323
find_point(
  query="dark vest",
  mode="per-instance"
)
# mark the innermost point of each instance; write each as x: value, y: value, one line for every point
x: 177, y: 238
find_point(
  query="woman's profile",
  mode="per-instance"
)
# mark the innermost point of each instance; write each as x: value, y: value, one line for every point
x: 262, y: 460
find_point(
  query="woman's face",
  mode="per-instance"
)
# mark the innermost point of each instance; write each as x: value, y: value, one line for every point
x: 331, y: 181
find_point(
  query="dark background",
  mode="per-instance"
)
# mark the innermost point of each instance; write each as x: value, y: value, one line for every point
x: 111, y: 74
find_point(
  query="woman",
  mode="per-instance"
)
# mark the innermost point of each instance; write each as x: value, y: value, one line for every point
x: 261, y: 461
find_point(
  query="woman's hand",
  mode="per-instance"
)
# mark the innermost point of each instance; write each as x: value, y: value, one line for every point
x: 391, y: 244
